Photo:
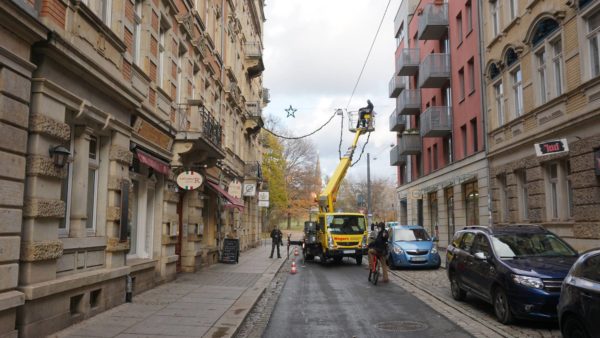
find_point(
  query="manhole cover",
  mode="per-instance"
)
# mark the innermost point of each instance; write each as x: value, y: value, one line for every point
x: 401, y: 326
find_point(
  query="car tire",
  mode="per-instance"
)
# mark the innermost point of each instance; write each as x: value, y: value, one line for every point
x: 358, y: 259
x: 574, y: 328
x: 501, y: 307
x: 457, y: 293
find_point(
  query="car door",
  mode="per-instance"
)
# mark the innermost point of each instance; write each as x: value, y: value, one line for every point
x: 463, y: 257
x: 482, y: 271
x: 590, y: 293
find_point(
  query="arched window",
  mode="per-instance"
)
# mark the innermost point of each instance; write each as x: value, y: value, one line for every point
x: 494, y: 71
x: 510, y: 57
x: 543, y: 29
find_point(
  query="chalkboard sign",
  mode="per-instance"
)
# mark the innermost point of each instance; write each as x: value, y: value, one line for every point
x: 231, y: 250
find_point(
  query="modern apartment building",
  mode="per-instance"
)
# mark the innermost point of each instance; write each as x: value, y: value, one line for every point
x: 542, y: 82
x: 442, y: 169
x: 103, y: 104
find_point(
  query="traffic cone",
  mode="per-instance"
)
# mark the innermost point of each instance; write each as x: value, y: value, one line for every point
x: 293, y: 271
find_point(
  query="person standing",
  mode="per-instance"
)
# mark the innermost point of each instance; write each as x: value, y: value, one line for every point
x: 276, y: 237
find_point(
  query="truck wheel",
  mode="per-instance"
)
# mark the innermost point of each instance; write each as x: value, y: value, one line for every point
x: 338, y: 259
x: 309, y: 257
x: 322, y: 258
x: 358, y: 259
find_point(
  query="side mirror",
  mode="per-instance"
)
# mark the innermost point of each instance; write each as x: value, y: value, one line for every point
x: 480, y: 256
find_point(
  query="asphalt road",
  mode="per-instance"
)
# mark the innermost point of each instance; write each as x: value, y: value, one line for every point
x: 338, y: 301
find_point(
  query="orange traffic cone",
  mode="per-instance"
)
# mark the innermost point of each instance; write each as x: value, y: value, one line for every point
x: 293, y: 271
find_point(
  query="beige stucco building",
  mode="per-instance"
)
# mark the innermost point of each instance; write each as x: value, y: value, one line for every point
x: 137, y: 91
x: 542, y: 77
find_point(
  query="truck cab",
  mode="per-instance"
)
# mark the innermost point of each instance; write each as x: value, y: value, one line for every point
x: 342, y: 235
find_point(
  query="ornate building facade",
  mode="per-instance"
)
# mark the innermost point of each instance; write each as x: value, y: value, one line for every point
x: 135, y: 92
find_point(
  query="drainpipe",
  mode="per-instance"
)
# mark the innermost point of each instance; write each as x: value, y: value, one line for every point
x: 129, y: 289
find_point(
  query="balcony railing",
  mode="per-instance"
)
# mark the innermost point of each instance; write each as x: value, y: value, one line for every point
x: 409, y: 102
x: 435, y: 71
x: 407, y: 64
x: 397, y: 122
x: 396, y: 86
x: 436, y: 121
x: 395, y: 158
x: 253, y: 170
x: 433, y: 24
x: 198, y: 123
x: 409, y: 144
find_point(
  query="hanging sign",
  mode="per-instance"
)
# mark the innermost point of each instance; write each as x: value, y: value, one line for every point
x: 551, y: 147
x: 235, y: 189
x: 250, y: 189
x: 189, y: 180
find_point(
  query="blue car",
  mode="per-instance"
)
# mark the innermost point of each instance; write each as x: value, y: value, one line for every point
x: 411, y: 246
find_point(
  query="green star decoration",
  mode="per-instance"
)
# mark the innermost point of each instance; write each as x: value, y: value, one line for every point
x: 291, y: 111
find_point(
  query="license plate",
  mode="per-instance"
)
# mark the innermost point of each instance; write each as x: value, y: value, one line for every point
x: 348, y: 251
x: 418, y: 259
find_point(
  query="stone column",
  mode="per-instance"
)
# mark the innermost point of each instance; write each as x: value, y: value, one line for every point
x: 79, y: 192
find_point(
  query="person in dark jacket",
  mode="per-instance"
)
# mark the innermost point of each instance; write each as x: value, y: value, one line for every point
x: 379, y: 248
x: 276, y: 238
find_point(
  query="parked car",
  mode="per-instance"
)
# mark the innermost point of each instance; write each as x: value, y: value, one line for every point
x: 579, y: 305
x: 411, y: 246
x: 518, y: 269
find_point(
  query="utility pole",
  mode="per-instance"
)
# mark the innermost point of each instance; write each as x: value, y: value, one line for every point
x: 369, y: 215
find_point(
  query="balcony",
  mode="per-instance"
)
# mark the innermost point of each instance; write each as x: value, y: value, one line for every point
x: 435, y: 71
x: 396, y: 86
x: 254, y: 59
x: 266, y: 95
x: 397, y: 122
x: 436, y: 121
x: 409, y: 144
x: 407, y: 64
x: 253, y: 170
x: 255, y: 122
x: 395, y: 158
x: 409, y: 102
x: 199, y: 135
x: 433, y: 24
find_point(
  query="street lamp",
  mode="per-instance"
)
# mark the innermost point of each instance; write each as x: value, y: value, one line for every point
x: 59, y: 155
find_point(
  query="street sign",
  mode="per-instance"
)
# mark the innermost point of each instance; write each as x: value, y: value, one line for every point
x: 551, y: 147
x: 264, y: 204
x: 263, y: 195
x: 250, y: 189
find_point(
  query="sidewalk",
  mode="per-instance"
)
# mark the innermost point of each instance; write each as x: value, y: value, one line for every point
x: 212, y: 302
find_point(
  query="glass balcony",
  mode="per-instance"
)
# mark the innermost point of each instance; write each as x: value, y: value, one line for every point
x: 436, y: 121
x: 409, y: 102
x: 409, y: 144
x: 433, y: 24
x: 407, y: 64
x: 435, y: 71
x: 397, y: 122
x: 396, y: 86
x: 395, y: 158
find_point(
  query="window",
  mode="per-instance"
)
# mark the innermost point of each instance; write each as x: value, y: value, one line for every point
x: 430, y: 159
x: 590, y: 268
x: 513, y: 9
x: 559, y: 194
x: 463, y: 134
x: 474, y: 135
x: 593, y: 36
x: 448, y: 149
x: 503, y: 198
x: 137, y: 31
x: 517, y: 82
x: 162, y: 58
x: 522, y: 194
x: 469, y: 15
x: 557, y: 65
x: 553, y: 184
x: 467, y: 241
x: 499, y: 98
x: 92, y: 186
x: 142, y: 206
x: 471, y: 195
x: 102, y: 9
x: 541, y: 71
x: 180, y: 63
x: 435, y: 157
x: 459, y: 28
x: 461, y: 83
x: 547, y: 48
x: 481, y: 244
x: 495, y: 18
x: 433, y: 210
x: 471, y: 69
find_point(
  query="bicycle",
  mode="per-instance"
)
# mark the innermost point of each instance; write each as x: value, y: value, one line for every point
x: 375, y: 270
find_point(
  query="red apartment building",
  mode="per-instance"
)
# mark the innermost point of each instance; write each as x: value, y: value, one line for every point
x: 440, y: 151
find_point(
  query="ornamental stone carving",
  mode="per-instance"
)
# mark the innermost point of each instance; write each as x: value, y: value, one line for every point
x: 44, y: 208
x: 42, y: 124
x: 41, y: 250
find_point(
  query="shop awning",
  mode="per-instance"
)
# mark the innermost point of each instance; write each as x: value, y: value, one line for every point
x: 233, y: 202
x: 153, y: 162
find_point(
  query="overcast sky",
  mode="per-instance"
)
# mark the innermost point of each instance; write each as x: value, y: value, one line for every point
x: 314, y: 51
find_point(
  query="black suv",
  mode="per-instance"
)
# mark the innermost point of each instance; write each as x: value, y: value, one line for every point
x: 518, y: 269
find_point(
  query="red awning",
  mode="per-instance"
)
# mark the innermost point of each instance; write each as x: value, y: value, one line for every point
x: 153, y: 162
x: 233, y: 202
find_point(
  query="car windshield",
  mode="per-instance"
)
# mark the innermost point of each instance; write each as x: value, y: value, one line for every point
x: 518, y: 245
x: 346, y: 224
x: 409, y: 235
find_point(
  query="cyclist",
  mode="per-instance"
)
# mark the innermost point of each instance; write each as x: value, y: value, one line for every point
x: 378, y: 249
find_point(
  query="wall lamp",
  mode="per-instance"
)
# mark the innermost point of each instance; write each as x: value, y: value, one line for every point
x: 60, y: 155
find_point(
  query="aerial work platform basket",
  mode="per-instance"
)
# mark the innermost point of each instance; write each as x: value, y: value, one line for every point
x: 353, y: 119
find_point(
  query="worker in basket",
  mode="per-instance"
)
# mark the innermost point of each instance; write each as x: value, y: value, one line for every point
x: 365, y: 115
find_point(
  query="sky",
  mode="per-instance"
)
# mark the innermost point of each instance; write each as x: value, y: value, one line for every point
x: 313, y: 54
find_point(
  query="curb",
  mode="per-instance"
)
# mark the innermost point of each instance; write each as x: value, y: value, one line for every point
x: 230, y: 322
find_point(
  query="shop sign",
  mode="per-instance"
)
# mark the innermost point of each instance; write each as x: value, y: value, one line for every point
x: 551, y: 147
x: 263, y: 195
x: 150, y: 133
x: 250, y: 189
x: 189, y: 180
x: 597, y: 161
x: 235, y: 189
x: 264, y: 204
